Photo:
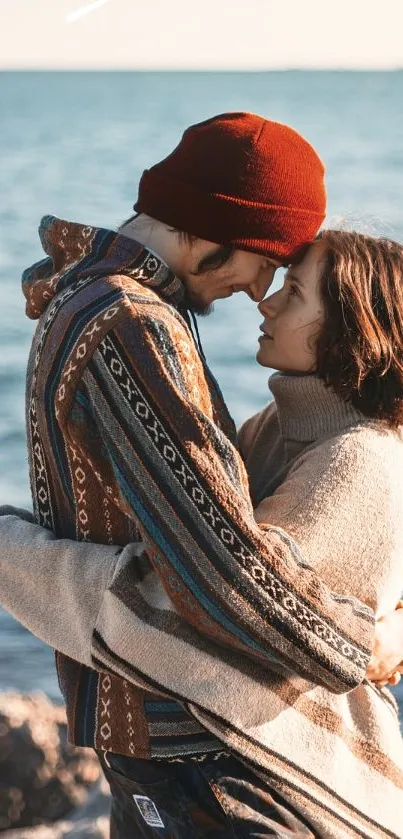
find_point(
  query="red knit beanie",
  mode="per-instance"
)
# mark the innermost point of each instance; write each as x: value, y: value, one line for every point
x: 238, y: 179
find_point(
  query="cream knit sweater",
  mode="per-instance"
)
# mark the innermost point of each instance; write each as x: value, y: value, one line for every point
x: 334, y: 481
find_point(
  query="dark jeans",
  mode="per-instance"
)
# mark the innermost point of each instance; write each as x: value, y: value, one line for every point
x: 212, y: 799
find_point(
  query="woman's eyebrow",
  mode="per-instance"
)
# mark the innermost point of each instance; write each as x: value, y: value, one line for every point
x: 290, y: 276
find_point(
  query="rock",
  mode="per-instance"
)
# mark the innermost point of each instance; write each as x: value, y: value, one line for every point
x: 88, y: 822
x: 48, y: 789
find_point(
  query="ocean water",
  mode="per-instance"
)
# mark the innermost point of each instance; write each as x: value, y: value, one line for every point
x: 75, y: 145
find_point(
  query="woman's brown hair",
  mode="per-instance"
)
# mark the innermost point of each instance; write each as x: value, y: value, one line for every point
x: 360, y: 346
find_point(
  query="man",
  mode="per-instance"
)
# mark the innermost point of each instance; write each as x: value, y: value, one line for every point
x: 130, y: 443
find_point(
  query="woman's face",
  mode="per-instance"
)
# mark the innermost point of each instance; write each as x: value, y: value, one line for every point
x: 293, y: 317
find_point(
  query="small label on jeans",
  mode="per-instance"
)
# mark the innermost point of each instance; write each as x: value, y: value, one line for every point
x: 149, y: 811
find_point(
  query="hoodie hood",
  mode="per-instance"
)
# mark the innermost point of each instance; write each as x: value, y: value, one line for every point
x: 75, y: 252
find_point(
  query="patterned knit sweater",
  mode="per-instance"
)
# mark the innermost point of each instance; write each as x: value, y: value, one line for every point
x: 128, y: 434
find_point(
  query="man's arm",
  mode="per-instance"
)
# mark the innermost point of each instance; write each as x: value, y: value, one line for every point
x: 243, y: 586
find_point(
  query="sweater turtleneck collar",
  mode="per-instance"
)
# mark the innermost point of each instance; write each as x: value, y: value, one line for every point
x: 307, y: 409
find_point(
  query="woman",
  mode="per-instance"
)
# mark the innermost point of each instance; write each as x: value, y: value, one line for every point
x: 325, y: 462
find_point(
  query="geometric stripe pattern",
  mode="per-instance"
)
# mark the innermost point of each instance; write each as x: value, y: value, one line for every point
x: 281, y: 597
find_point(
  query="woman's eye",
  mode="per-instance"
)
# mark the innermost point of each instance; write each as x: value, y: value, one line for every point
x: 292, y: 291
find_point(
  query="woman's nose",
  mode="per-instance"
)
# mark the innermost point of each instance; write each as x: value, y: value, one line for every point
x: 267, y: 306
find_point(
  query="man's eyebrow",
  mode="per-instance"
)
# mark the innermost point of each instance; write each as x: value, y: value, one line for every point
x: 220, y: 254
x: 210, y: 257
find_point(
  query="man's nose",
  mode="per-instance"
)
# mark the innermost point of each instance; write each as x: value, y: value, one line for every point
x: 255, y: 293
x: 259, y: 288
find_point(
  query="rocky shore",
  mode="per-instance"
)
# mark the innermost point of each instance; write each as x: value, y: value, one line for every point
x: 48, y: 789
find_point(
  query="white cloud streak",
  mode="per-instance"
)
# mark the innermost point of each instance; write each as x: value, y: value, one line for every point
x: 85, y: 10
x: 212, y: 34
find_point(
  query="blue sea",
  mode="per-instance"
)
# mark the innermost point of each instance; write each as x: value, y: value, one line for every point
x: 75, y: 145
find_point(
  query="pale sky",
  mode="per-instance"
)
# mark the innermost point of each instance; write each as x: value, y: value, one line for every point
x: 201, y: 34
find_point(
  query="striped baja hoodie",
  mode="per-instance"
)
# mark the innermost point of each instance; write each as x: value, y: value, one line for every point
x: 129, y: 439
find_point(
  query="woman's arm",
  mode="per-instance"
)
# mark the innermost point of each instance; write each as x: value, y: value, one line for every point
x: 55, y: 587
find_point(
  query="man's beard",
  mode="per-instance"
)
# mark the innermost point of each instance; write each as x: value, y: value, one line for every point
x: 197, y: 305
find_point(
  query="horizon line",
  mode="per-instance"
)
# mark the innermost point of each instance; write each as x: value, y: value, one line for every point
x: 256, y: 70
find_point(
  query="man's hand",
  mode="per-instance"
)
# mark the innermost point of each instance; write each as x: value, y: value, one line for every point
x: 386, y: 662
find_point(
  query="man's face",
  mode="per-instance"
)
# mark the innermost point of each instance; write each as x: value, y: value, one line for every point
x: 211, y: 272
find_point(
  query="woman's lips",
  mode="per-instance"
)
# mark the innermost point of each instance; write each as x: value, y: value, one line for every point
x: 265, y: 334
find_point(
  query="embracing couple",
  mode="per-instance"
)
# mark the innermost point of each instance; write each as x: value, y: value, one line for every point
x: 215, y: 646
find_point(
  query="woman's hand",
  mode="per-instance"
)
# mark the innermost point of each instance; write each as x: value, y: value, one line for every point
x: 386, y: 662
